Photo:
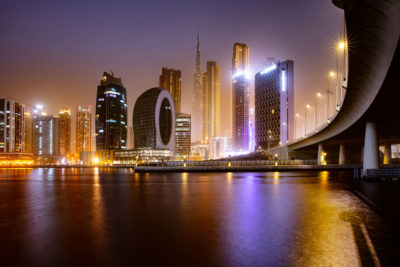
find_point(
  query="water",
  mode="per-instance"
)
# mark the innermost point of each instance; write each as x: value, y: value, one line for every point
x: 66, y: 217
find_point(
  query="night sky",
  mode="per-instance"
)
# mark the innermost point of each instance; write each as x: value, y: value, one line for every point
x: 54, y: 52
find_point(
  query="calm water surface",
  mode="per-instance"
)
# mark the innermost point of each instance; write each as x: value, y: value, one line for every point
x: 55, y: 217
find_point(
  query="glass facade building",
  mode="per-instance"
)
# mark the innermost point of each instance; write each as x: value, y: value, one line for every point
x: 111, y: 114
x: 240, y: 97
x: 274, y: 105
x: 83, y: 129
x: 154, y: 120
x: 12, y: 129
x: 170, y: 79
x: 183, y: 132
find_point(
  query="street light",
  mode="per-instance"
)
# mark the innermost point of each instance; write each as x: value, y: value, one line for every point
x: 340, y: 46
x: 316, y: 110
x: 305, y: 119
x: 331, y: 74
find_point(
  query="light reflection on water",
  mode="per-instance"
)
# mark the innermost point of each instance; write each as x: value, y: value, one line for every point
x: 103, y: 216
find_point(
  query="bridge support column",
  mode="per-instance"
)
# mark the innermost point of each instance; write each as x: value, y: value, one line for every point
x: 371, y: 156
x: 387, y: 154
x: 321, y: 155
x: 342, y: 155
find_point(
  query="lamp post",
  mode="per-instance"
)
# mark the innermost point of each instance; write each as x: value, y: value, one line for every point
x: 331, y: 74
x: 316, y: 110
x: 341, y: 46
x: 305, y: 119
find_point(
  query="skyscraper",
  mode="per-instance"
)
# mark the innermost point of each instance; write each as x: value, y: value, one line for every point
x: 111, y: 114
x: 197, y: 97
x: 240, y: 97
x: 28, y: 129
x: 11, y: 126
x: 274, y: 105
x: 154, y: 120
x: 183, y: 135
x: 46, y: 135
x: 211, y: 101
x: 64, y: 131
x: 170, y: 79
x: 83, y: 129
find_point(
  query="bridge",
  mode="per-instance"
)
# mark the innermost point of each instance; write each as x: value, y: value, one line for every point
x: 370, y: 112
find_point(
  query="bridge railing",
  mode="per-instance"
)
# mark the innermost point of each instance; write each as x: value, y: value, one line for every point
x: 239, y: 163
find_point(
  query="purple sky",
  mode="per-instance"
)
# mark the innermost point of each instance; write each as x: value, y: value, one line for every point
x: 54, y: 52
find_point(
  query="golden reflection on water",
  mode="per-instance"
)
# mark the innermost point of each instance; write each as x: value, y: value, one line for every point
x: 276, y: 177
x: 98, y: 208
x: 324, y: 176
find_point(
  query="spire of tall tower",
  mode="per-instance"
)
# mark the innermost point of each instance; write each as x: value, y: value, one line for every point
x: 198, y: 52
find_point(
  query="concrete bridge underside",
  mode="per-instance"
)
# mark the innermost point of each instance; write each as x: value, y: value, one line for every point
x: 371, y: 107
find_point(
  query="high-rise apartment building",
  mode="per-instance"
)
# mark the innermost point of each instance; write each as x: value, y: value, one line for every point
x: 183, y: 135
x: 274, y: 105
x: 170, y: 79
x: 46, y: 135
x: 11, y: 126
x: 28, y: 129
x: 240, y: 97
x: 64, y: 131
x: 211, y: 101
x: 111, y: 114
x: 197, y: 110
x: 83, y: 129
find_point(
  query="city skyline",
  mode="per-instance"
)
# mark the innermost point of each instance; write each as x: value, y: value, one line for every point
x: 66, y: 73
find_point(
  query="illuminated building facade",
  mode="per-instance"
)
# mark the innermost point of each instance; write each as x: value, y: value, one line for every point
x: 170, y: 79
x: 11, y: 126
x: 211, y: 101
x: 218, y: 146
x: 154, y: 120
x: 64, y: 131
x: 111, y: 114
x: 183, y: 135
x: 274, y: 105
x: 46, y: 135
x: 197, y: 110
x: 28, y: 132
x: 240, y: 97
x: 83, y: 129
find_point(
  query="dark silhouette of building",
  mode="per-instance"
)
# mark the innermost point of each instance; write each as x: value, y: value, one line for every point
x: 274, y: 105
x: 11, y: 126
x: 154, y: 120
x: 111, y: 114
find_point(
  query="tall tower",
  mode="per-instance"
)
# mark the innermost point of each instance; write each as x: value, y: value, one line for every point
x: 111, y: 114
x: 170, y: 79
x: 197, y: 97
x: 46, y: 135
x: 83, y: 129
x: 11, y: 126
x: 211, y: 101
x: 274, y: 105
x: 28, y: 129
x: 240, y: 97
x: 64, y: 124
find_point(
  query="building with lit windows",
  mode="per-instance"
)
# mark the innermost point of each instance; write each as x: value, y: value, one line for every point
x: 64, y: 131
x: 83, y: 129
x: 170, y: 79
x: 240, y: 97
x: 111, y: 114
x: 28, y: 132
x: 211, y: 102
x: 154, y: 121
x: 183, y: 133
x: 11, y: 126
x: 46, y: 135
x: 197, y: 110
x: 274, y: 105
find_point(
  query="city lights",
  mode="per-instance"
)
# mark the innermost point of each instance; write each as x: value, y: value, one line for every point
x: 269, y: 69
